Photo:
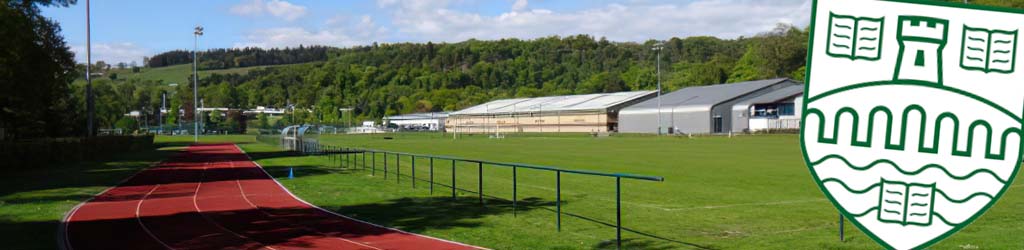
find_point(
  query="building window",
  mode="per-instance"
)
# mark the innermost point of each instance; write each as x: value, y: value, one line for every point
x: 787, y: 109
x: 773, y: 110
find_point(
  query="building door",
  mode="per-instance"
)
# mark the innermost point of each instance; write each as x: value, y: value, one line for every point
x: 716, y: 124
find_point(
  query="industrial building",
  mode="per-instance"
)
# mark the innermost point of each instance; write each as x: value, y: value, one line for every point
x: 774, y: 111
x: 433, y: 121
x: 593, y: 113
x: 703, y: 109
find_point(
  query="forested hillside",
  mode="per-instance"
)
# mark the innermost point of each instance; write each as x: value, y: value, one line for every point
x: 243, y: 57
x: 389, y: 79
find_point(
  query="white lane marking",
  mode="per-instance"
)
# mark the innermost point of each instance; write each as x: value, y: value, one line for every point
x: 340, y: 215
x: 138, y: 218
x: 71, y: 213
x: 195, y: 203
x: 748, y: 204
x: 246, y: 198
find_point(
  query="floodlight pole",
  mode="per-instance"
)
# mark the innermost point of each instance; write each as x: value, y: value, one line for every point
x: 658, y: 47
x: 195, y: 81
x: 89, y: 104
x: 160, y: 114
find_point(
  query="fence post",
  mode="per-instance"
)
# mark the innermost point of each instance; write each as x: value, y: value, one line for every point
x: 413, y: 158
x: 385, y: 165
x: 480, y: 181
x: 364, y: 160
x: 373, y: 163
x: 431, y: 175
x: 558, y: 199
x: 398, y: 168
x: 453, y: 180
x: 514, y: 186
x: 618, y: 212
x: 842, y: 237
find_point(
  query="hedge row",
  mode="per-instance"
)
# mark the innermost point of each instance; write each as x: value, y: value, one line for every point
x: 48, y: 152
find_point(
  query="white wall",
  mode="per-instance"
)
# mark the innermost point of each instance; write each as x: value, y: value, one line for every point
x: 433, y: 124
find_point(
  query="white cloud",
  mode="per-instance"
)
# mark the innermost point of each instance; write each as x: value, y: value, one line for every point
x: 436, y: 21
x: 111, y: 53
x: 285, y: 10
x: 248, y: 8
x: 277, y: 8
x: 340, y: 31
x: 443, y: 21
x: 519, y: 5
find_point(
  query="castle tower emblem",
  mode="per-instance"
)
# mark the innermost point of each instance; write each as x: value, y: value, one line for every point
x: 921, y: 42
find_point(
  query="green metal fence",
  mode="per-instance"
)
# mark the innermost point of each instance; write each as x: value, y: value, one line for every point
x: 355, y: 158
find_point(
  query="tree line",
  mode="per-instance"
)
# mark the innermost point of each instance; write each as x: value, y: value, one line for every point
x: 240, y: 57
x: 387, y: 79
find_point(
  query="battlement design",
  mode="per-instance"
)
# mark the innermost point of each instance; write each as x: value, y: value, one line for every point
x: 995, y: 148
x: 921, y: 42
x: 926, y: 28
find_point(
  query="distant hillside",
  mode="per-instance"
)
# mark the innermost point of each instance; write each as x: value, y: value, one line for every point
x: 384, y: 79
x: 238, y: 58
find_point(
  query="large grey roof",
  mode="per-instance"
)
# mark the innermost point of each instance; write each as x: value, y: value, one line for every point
x: 774, y: 96
x: 702, y: 97
x: 587, y: 102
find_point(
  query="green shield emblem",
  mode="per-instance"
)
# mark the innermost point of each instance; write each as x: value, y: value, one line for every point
x: 912, y: 114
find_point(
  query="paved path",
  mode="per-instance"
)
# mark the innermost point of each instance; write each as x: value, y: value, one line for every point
x: 213, y: 196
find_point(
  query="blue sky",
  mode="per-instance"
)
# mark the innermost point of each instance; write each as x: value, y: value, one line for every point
x: 125, y: 31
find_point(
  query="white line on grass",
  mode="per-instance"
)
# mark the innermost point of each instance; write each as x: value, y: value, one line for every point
x: 748, y: 204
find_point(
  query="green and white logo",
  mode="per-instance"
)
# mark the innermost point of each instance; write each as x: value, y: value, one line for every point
x: 909, y: 146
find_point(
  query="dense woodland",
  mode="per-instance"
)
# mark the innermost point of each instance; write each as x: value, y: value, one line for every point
x: 390, y: 79
x: 37, y: 98
x: 243, y: 57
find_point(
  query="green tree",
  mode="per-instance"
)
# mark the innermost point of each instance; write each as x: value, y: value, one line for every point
x: 264, y: 122
x: 36, y: 69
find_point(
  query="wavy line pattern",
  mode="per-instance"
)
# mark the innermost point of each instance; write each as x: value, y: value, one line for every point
x: 934, y: 215
x: 851, y: 190
x: 897, y: 167
x: 969, y: 197
x: 865, y: 212
x: 943, y: 219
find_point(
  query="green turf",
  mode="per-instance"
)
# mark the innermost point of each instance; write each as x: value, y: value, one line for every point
x: 33, y: 199
x: 746, y: 192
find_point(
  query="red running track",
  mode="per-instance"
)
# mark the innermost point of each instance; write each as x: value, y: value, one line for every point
x: 213, y: 196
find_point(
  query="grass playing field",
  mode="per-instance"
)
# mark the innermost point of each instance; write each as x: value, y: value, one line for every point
x: 746, y: 192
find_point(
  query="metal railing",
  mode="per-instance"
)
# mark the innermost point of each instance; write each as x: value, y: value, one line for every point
x: 349, y: 157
